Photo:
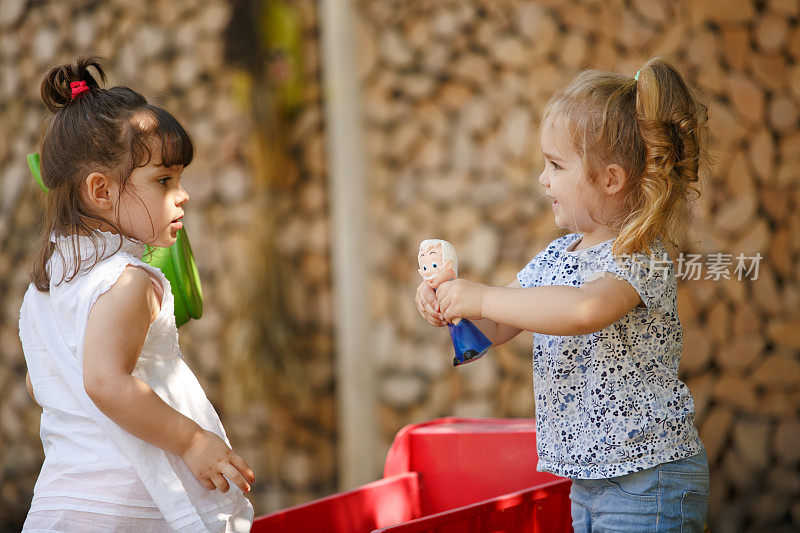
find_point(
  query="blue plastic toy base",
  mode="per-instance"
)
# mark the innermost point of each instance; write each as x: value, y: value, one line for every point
x: 469, y: 342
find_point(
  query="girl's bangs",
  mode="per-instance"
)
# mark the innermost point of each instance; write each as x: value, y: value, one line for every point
x: 177, y: 148
x: 158, y: 125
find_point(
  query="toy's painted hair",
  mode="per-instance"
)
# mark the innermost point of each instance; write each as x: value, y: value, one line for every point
x: 101, y: 130
x: 654, y: 128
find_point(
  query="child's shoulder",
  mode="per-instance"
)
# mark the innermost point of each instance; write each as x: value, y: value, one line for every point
x: 108, y: 268
x: 98, y: 253
x: 653, y: 257
x: 121, y: 269
x: 131, y: 295
x: 101, y: 266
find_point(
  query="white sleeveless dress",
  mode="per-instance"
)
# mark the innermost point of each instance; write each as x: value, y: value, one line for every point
x: 97, y: 476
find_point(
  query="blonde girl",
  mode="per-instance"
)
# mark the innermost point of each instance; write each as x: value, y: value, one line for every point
x: 621, y: 160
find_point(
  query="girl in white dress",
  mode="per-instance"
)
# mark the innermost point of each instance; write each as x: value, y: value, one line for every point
x: 131, y: 442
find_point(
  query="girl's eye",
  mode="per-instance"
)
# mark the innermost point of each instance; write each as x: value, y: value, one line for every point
x: 164, y: 180
x: 556, y: 166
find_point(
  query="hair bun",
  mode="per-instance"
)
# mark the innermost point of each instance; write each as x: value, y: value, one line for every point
x: 56, y: 90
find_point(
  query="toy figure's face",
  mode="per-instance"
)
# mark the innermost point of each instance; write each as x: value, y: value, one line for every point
x: 433, y: 269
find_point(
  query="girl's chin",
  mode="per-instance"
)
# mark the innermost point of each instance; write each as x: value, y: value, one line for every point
x: 565, y: 226
x: 163, y: 243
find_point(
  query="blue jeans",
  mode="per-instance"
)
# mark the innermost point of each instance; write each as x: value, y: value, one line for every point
x: 669, y: 497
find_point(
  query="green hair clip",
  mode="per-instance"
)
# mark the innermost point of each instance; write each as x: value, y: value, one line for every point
x: 176, y: 262
x: 636, y: 76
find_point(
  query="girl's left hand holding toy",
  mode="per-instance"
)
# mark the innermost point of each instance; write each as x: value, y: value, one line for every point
x: 461, y: 298
x: 427, y: 305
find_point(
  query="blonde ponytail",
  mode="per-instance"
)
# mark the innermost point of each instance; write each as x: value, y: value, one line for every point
x: 671, y: 124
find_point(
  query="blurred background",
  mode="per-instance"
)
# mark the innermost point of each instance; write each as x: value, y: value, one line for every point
x: 332, y: 137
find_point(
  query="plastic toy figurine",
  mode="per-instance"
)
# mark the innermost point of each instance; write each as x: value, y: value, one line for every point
x: 176, y: 262
x: 438, y: 262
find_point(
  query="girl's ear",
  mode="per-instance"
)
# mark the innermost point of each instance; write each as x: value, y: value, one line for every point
x: 613, y: 179
x: 98, y: 191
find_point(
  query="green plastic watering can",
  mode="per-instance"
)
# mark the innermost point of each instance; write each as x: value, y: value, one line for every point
x: 176, y: 262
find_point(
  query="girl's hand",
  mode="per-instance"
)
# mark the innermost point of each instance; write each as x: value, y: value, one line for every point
x: 461, y: 299
x: 209, y: 459
x: 428, y: 306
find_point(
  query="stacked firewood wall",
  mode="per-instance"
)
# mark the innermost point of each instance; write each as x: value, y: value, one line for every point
x: 453, y: 92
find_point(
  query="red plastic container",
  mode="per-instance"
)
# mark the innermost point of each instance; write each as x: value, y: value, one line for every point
x: 378, y: 504
x: 467, y: 460
x: 450, y: 474
x: 541, y: 509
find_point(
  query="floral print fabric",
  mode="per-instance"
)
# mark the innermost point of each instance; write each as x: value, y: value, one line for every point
x: 610, y: 403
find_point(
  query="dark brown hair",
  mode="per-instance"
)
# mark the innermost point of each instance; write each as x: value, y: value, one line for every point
x: 101, y: 130
x: 654, y: 128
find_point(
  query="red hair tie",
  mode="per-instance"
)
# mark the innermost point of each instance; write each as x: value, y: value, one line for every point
x: 78, y: 87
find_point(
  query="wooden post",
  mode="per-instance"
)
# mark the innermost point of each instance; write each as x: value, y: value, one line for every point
x: 348, y: 201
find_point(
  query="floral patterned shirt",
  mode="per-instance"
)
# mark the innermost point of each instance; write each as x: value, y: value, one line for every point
x: 610, y: 403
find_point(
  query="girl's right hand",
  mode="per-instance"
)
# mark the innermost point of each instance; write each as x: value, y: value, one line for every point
x: 428, y: 306
x: 210, y: 460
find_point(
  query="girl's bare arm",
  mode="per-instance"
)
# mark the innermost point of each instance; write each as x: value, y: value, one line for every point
x: 499, y: 333
x: 552, y: 310
x: 115, y: 334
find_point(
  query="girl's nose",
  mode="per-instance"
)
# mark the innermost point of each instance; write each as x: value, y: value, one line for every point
x: 543, y: 181
x: 183, y: 196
